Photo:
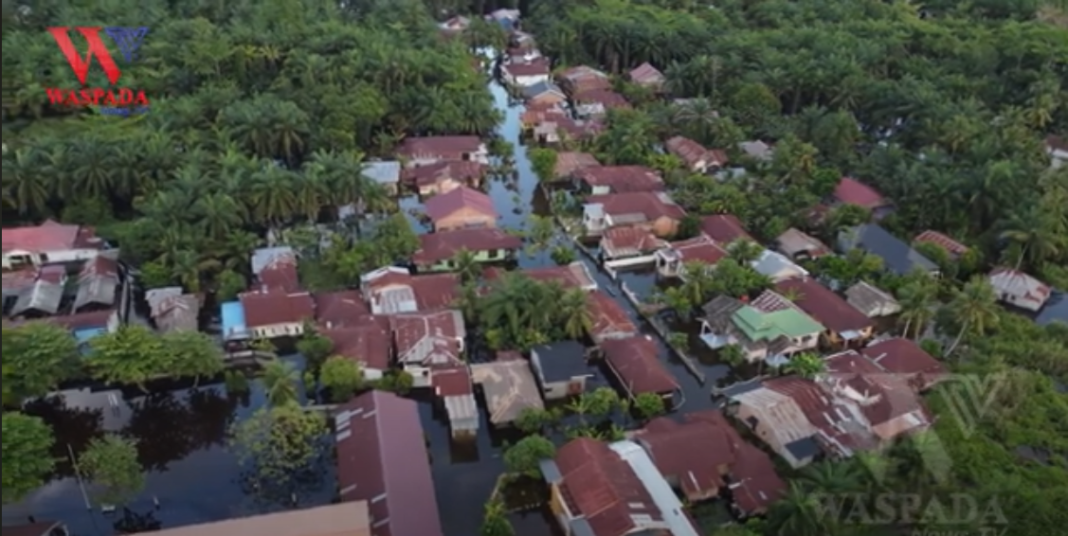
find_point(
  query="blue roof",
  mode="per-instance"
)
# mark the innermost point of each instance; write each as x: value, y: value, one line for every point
x: 233, y: 317
x: 83, y: 335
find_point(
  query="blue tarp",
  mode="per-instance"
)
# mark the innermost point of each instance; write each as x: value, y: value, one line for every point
x: 233, y: 318
x: 83, y: 335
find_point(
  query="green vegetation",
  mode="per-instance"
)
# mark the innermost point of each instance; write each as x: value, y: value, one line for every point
x: 524, y: 457
x: 38, y: 356
x: 27, y: 443
x: 279, y: 444
x: 134, y: 354
x: 111, y: 465
x: 520, y: 313
x: 342, y: 377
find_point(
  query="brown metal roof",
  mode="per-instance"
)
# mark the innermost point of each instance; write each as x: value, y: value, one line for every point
x: 652, y: 205
x: 903, y: 356
x: 340, y: 308
x: 626, y: 241
x: 636, y: 362
x: 646, y: 74
x: 345, y: 519
x: 758, y: 484
x: 724, y: 228
x: 623, y: 179
x: 934, y: 237
x: 823, y: 305
x: 699, y: 249
x: 367, y: 342
x: 697, y: 454
x: 610, y: 319
x: 444, y: 205
x: 382, y: 459
x: 689, y: 151
x: 568, y: 163
x: 440, y: 146
x: 276, y: 307
x: 451, y: 380
x: 441, y: 246
x: 602, y: 487
x: 600, y: 95
x: 532, y: 68
x: 459, y: 170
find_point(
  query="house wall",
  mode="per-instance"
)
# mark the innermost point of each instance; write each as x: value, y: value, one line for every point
x: 529, y: 80
x: 492, y: 255
x: 372, y: 374
x: 290, y: 329
x: 420, y: 374
x: 559, y: 508
x: 600, y: 190
x: 465, y: 218
x: 15, y: 258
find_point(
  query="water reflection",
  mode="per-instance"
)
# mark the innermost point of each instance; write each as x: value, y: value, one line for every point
x: 75, y: 426
x: 167, y: 427
x: 131, y: 522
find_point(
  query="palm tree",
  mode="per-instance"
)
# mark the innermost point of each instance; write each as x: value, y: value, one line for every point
x: 580, y: 406
x: 974, y: 309
x: 574, y: 308
x: 1034, y: 232
x: 806, y: 365
x: 917, y: 301
x: 834, y: 477
x: 280, y: 382
x: 466, y: 265
x: 745, y: 251
x: 799, y: 513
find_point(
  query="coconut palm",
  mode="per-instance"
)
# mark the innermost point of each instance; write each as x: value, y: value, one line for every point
x: 974, y: 309
x: 280, y: 380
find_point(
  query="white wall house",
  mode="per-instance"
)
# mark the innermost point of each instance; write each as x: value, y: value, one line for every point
x: 50, y: 242
x: 526, y: 74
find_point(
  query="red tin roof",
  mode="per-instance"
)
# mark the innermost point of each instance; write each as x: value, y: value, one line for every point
x: 444, y: 205
x: 276, y: 307
x: 724, y: 228
x: 437, y: 247
x: 636, y: 362
x: 823, y: 305
x: 853, y: 192
x: 934, y: 237
x: 602, y: 487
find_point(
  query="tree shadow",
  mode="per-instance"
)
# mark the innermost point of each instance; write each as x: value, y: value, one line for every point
x: 74, y: 428
x: 162, y: 427
x: 134, y: 523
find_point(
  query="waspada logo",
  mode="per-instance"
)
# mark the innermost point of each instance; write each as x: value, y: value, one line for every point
x: 113, y: 99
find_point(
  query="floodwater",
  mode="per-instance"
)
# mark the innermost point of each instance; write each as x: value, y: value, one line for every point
x: 182, y: 442
x: 1056, y: 309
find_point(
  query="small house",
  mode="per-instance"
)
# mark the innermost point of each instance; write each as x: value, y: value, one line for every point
x: 800, y: 246
x: 609, y: 320
x: 391, y: 290
x: 275, y: 268
x: 646, y: 75
x: 1057, y: 149
x: 568, y: 164
x: 173, y: 310
x: 544, y: 94
x: 438, y: 250
x: 50, y: 242
x: 276, y: 313
x: 426, y: 340
x: 597, y: 102
x: 725, y: 229
x: 561, y: 369
x: 655, y: 211
x: 771, y: 410
x: 44, y: 295
x: 601, y: 180
x: 853, y: 192
x: 671, y: 261
x: 771, y: 329
x: 420, y: 151
x: 522, y: 54
x: 871, y: 300
x: 696, y: 157
x: 901, y: 356
x: 635, y: 362
x: 954, y: 249
x: 898, y: 257
x: 453, y: 388
x: 843, y: 323
x: 99, y: 284
x: 776, y: 266
x: 445, y: 176
x: 366, y: 341
x: 531, y: 73
x: 629, y: 242
x: 582, y: 78
x: 509, y: 387
x: 462, y: 208
x: 1018, y: 289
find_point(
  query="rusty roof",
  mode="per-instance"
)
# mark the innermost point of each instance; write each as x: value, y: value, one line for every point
x: 50, y: 236
x: 696, y: 453
x: 628, y: 241
x: 451, y: 380
x: 425, y: 292
x: 441, y: 146
x: 367, y: 342
x: 621, y: 179
x: 893, y: 394
x: 757, y: 484
x: 574, y: 275
x: 823, y: 305
x: 567, y: 163
x: 441, y: 246
x: 532, y: 68
x: 599, y: 95
x: 903, y: 356
x: 698, y: 249
x: 460, y: 170
x: 724, y: 228
x: 283, y: 277
x: 610, y: 319
x: 509, y: 386
x: 853, y: 192
x: 434, y: 337
x: 345, y: 519
x: 934, y: 237
x: 600, y: 486
x: 646, y: 74
x: 382, y: 458
x: 689, y: 151
x: 444, y: 205
x: 269, y: 308
x: 636, y: 362
x: 651, y: 205
x: 793, y: 242
x: 340, y: 308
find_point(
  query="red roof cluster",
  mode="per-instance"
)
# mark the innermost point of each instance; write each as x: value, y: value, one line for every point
x: 610, y: 320
x: 50, y: 236
x: 568, y: 163
x: 444, y: 205
x: 823, y: 305
x: 853, y: 192
x: 893, y: 396
x: 340, y: 308
x: 622, y: 179
x: 724, y: 228
x: 934, y: 237
x: 437, y: 247
x: 636, y: 362
x: 431, y: 291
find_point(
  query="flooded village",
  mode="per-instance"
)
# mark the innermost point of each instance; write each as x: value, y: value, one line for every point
x: 692, y: 369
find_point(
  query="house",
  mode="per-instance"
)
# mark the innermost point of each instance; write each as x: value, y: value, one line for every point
x: 393, y: 290
x: 898, y: 257
x: 777, y: 419
x: 173, y: 310
x: 444, y: 176
x: 44, y: 295
x: 275, y: 268
x: 903, y: 357
x: 776, y: 266
x: 853, y: 192
x: 561, y: 369
x: 426, y: 340
x: 725, y: 229
x: 757, y: 150
x: 800, y: 246
x: 531, y: 73
x: 462, y: 208
x: 385, y: 174
x: 522, y: 54
x: 651, y: 210
x: 343, y: 308
x: 703, y: 455
x: 420, y: 151
x: 453, y: 388
x: 955, y: 249
x: 367, y: 342
x: 601, y: 180
x: 884, y: 405
x: 646, y: 75
x: 582, y: 78
x: 609, y: 320
x: 382, y: 459
x: 438, y: 250
x: 509, y: 387
x: 86, y: 326
x: 455, y: 25
x: 41, y: 528
x: 611, y: 490
x: 771, y: 329
x: 635, y: 362
x: 1057, y: 149
x: 344, y: 519
x: 543, y: 94
x: 569, y: 163
x: 1019, y: 289
x: 672, y: 260
x: 50, y: 242
x: 842, y: 322
x: 275, y: 313
x: 98, y: 284
x: 597, y: 102
x: 574, y: 275
x: 696, y: 157
x: 871, y: 300
x: 628, y: 242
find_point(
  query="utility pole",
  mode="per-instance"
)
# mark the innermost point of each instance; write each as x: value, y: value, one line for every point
x: 78, y: 475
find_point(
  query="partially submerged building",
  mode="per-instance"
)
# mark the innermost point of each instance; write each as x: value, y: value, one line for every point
x: 509, y: 387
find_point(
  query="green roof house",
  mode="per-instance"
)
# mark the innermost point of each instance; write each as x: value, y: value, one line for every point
x: 770, y: 328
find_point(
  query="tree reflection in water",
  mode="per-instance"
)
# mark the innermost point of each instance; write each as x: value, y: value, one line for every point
x: 270, y: 493
x: 168, y: 429
x: 74, y: 427
x: 134, y: 523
